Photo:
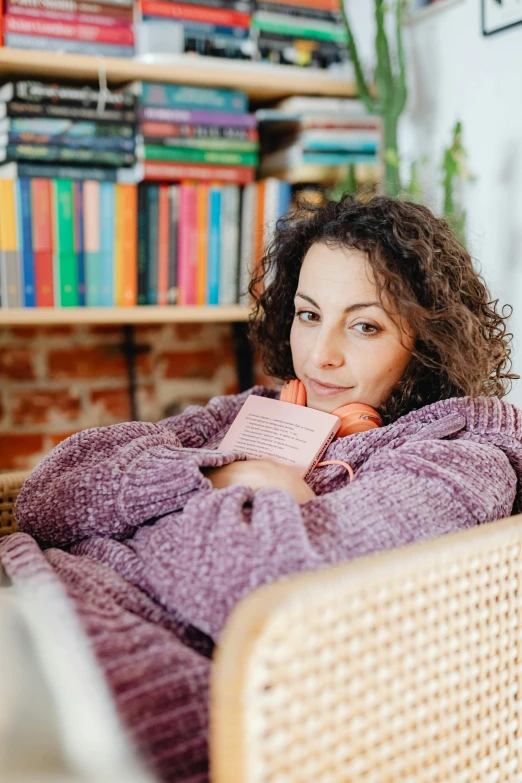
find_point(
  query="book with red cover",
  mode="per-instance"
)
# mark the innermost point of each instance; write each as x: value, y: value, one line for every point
x: 195, y: 13
x: 121, y: 34
x: 72, y: 10
x: 41, y: 199
x: 165, y: 172
x: 292, y: 435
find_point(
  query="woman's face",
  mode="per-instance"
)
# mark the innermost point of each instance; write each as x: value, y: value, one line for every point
x: 345, y: 347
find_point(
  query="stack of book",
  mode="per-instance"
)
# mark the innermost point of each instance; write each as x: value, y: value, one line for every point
x: 316, y: 139
x: 218, y: 28
x: 67, y: 243
x: 308, y: 33
x: 59, y: 123
x: 100, y: 27
x: 196, y: 133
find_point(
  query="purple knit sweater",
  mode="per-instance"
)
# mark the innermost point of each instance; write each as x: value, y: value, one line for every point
x: 154, y: 558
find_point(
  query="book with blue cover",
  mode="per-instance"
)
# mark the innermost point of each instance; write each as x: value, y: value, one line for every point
x: 107, y: 228
x: 26, y: 244
x: 214, y: 244
x: 179, y: 96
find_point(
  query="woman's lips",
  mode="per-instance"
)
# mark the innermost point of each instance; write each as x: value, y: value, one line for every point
x: 326, y: 391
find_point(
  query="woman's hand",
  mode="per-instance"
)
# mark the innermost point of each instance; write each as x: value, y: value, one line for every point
x: 258, y: 474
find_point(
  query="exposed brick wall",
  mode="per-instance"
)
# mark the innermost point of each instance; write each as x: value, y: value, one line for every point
x: 58, y: 380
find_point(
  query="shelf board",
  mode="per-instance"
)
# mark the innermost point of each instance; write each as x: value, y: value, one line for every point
x: 51, y: 316
x: 261, y: 81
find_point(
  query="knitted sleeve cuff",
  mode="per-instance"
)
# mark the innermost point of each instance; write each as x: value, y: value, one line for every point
x: 160, y: 480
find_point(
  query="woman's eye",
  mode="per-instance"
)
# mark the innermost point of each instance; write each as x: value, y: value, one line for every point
x: 307, y: 317
x: 368, y: 329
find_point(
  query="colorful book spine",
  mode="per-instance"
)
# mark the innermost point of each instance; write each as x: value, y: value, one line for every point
x: 52, y: 154
x: 152, y: 256
x: 107, y: 210
x: 29, y: 291
x: 26, y: 109
x: 191, y: 259
x: 176, y: 96
x: 10, y: 278
x: 202, y: 244
x: 121, y: 34
x: 197, y: 117
x: 79, y: 240
x: 172, y: 292
x: 187, y: 245
x: 247, y: 250
x: 168, y: 130
x: 143, y: 254
x: 299, y: 28
x: 163, y: 243
x: 184, y: 13
x: 229, y: 268
x: 189, y: 155
x: 43, y: 171
x: 42, y: 218
x: 91, y: 217
x: 129, y: 230
x: 64, y: 262
x: 71, y: 9
x: 71, y: 17
x: 214, y: 245
x: 67, y: 45
x: 38, y: 92
x: 235, y: 175
x: 95, y: 144
x: 208, y: 145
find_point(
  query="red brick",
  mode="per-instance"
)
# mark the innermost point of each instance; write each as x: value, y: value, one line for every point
x: 191, y: 364
x: 114, y: 403
x: 25, y: 332
x: 106, y: 329
x: 57, y: 437
x: 37, y: 407
x: 19, y: 452
x: 17, y: 364
x: 92, y: 362
x: 188, y: 331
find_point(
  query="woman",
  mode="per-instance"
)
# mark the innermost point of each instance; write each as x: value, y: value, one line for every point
x: 163, y: 534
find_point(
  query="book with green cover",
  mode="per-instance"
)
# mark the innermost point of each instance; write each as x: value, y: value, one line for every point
x: 188, y: 155
x: 66, y: 274
x: 229, y: 145
x: 289, y: 26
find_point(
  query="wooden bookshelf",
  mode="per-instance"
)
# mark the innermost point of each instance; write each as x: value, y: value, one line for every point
x: 51, y: 316
x: 261, y: 81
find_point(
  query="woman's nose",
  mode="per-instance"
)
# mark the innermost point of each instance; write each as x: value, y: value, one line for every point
x: 327, y: 350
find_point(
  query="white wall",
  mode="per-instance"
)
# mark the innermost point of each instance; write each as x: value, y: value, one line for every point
x: 457, y: 73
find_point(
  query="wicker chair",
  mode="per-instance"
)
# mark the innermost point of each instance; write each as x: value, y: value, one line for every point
x: 403, y: 667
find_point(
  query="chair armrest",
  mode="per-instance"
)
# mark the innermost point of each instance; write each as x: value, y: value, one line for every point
x: 400, y: 666
x: 10, y: 486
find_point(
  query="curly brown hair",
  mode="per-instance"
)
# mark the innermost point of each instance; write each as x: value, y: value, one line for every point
x: 462, y: 346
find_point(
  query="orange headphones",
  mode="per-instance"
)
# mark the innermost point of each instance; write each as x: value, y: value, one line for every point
x: 355, y: 416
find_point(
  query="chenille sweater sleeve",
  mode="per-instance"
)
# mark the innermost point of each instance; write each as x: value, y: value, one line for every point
x: 227, y: 542
x: 108, y: 481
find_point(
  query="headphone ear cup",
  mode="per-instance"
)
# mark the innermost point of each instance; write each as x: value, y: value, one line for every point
x: 293, y: 391
x: 356, y: 417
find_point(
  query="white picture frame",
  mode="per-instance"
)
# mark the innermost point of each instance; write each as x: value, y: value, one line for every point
x: 500, y: 15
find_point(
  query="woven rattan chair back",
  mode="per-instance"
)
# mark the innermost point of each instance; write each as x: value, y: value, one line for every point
x: 404, y: 667
x: 10, y: 486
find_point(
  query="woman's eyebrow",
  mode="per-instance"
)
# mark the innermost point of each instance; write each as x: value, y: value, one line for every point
x: 357, y: 306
